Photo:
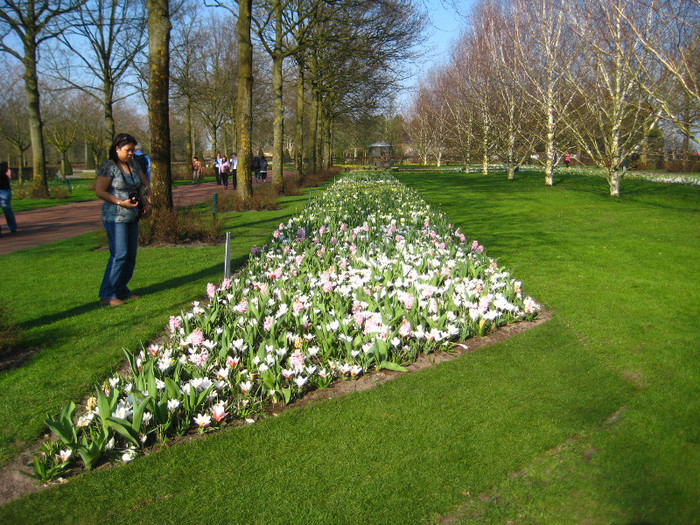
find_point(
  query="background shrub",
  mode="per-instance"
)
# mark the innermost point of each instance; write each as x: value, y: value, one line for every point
x: 182, y: 171
x: 180, y: 226
x: 263, y: 199
x: 60, y: 192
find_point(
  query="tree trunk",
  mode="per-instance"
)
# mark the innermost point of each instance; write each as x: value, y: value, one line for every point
x: 614, y: 182
x: 189, y: 131
x: 327, y: 145
x: 108, y: 92
x: 66, y: 167
x: 318, y: 146
x: 314, y: 131
x: 511, y: 143
x: 277, y: 124
x: 40, y: 185
x: 486, y: 130
x: 214, y: 141
x: 158, y: 108
x: 244, y: 108
x: 549, y: 147
x: 277, y: 106
x: 299, y: 132
x: 234, y: 128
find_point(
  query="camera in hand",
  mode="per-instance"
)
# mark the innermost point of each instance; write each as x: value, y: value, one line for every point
x: 134, y: 197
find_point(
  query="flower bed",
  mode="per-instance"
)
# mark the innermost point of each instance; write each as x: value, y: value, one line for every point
x: 367, y: 277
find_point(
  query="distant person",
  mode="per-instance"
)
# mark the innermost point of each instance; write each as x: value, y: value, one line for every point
x: 234, y: 170
x: 217, y: 173
x: 121, y: 185
x: 196, y: 171
x: 224, y: 167
x: 263, y: 168
x: 6, y: 197
x: 567, y: 160
x: 256, y: 168
x: 143, y: 161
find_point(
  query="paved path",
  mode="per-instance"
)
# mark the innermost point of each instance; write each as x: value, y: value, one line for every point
x: 37, y: 227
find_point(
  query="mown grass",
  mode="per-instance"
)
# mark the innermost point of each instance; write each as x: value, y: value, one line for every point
x: 520, y: 431
x: 53, y: 300
x: 82, y: 190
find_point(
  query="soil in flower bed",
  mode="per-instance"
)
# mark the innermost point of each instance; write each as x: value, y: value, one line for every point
x: 15, y: 483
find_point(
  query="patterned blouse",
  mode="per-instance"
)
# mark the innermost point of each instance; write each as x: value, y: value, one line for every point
x: 122, y: 184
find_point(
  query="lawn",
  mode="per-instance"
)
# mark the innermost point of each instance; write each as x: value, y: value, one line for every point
x: 589, y: 417
x: 54, y: 300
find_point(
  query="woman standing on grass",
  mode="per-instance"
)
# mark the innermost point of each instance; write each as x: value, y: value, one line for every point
x: 6, y: 197
x: 120, y: 182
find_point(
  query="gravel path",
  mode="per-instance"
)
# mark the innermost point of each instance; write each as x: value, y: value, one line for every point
x: 45, y: 225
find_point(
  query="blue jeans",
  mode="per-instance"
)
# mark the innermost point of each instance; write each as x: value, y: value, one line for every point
x: 123, y: 240
x: 5, y: 199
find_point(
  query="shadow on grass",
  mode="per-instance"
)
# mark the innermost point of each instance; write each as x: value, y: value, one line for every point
x: 148, y: 290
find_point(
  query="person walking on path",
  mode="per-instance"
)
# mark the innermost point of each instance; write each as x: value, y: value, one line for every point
x: 6, y: 197
x: 196, y: 171
x: 224, y: 166
x: 256, y: 168
x: 263, y: 168
x: 120, y: 184
x: 234, y: 170
x: 144, y: 161
x: 217, y: 161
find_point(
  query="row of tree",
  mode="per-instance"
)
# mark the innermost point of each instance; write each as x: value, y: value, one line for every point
x: 208, y: 61
x: 595, y: 76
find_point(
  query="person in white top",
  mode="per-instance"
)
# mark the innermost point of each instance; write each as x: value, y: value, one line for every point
x: 234, y: 167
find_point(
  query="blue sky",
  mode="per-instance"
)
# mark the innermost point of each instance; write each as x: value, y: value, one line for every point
x: 443, y: 28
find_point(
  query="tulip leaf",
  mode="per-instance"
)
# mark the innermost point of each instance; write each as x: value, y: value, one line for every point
x: 388, y: 365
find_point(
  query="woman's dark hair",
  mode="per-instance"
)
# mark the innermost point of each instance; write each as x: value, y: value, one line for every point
x: 120, y: 141
x: 3, y: 168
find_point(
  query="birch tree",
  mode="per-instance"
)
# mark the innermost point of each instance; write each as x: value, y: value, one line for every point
x: 542, y: 54
x: 609, y: 116
x: 514, y: 119
x: 476, y: 84
x: 666, y: 59
x: 418, y: 125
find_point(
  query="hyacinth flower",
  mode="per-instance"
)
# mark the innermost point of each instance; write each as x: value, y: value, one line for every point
x: 366, y: 277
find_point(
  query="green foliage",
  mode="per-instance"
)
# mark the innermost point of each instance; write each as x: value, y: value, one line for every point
x: 63, y: 427
x: 591, y: 417
x: 180, y: 226
x: 48, y: 465
x: 81, y: 343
